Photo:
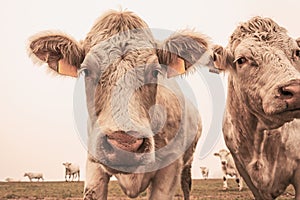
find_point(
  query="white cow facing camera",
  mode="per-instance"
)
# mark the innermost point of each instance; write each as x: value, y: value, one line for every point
x: 229, y: 168
x: 204, y: 172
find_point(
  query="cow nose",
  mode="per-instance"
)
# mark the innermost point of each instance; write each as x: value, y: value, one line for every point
x: 291, y: 94
x: 127, y: 141
x: 223, y: 163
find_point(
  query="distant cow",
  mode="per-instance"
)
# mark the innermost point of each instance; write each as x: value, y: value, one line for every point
x: 8, y: 179
x: 72, y: 171
x: 261, y: 123
x: 141, y: 127
x: 204, y: 172
x: 229, y: 168
x: 32, y: 176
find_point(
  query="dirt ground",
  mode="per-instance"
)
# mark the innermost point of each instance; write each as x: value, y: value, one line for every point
x: 201, y: 190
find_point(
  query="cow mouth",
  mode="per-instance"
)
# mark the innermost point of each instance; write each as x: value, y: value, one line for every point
x: 285, y: 114
x: 293, y: 113
x: 285, y: 108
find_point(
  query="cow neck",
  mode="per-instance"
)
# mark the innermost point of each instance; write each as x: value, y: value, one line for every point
x: 241, y: 117
x: 252, y: 140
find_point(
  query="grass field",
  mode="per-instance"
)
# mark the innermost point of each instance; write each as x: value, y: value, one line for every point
x: 202, y: 189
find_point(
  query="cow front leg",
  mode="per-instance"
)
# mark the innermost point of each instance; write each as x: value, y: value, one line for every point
x: 186, y: 181
x: 96, y: 184
x: 165, y: 182
x: 296, y: 183
x: 225, y: 186
x: 297, y: 195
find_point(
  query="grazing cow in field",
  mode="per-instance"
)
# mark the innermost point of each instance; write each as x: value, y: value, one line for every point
x: 204, y: 172
x: 8, y: 179
x: 229, y: 168
x: 72, y: 171
x: 261, y: 125
x: 32, y: 176
x: 141, y: 129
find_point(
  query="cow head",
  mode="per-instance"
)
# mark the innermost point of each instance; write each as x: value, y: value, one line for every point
x: 224, y: 156
x: 203, y: 170
x: 67, y: 164
x: 263, y: 63
x: 122, y: 64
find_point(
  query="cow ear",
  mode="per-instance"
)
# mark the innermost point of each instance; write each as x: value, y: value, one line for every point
x: 216, y: 154
x: 223, y: 58
x: 182, y: 50
x: 62, y: 53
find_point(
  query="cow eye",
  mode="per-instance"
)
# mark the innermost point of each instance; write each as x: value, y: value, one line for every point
x: 155, y: 72
x: 83, y: 71
x: 241, y: 60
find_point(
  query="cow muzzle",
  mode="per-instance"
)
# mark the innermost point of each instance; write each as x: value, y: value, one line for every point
x: 283, y: 100
x: 290, y: 94
x: 124, y: 151
x: 128, y: 141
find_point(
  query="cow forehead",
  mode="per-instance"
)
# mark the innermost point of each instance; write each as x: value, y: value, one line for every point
x: 223, y: 153
x: 255, y: 47
x: 136, y: 48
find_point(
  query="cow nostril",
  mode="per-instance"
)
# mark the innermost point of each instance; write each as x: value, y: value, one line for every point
x: 285, y: 93
x: 223, y: 162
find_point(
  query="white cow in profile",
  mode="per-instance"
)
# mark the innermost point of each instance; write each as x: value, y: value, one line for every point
x: 204, y: 172
x: 229, y: 168
x: 32, y: 176
x: 72, y: 171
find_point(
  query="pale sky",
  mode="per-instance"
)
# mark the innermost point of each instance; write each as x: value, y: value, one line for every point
x: 37, y: 131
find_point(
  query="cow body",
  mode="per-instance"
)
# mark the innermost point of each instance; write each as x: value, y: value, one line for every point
x: 204, y: 172
x: 32, y: 176
x: 141, y: 129
x: 8, y: 179
x: 260, y: 123
x: 229, y: 168
x: 72, y: 171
